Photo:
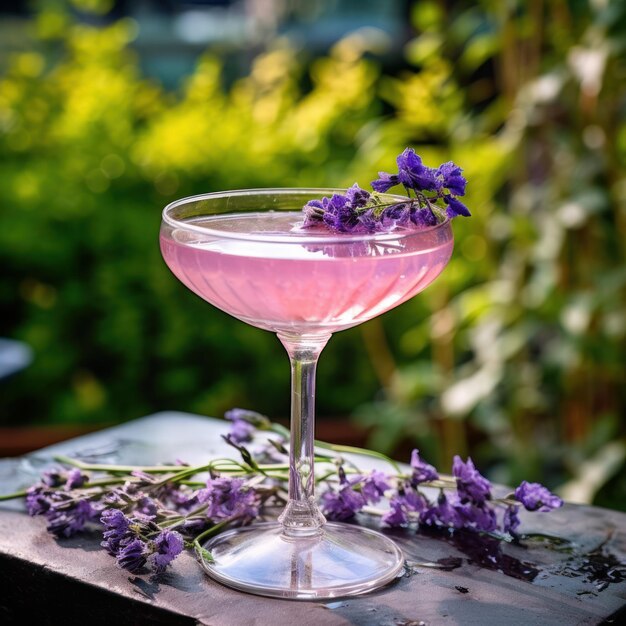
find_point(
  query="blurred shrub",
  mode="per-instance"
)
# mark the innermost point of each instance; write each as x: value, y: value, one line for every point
x: 514, y: 355
x: 90, y: 154
x: 519, y: 358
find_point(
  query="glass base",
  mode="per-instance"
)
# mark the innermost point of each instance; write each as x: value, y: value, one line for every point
x: 342, y: 560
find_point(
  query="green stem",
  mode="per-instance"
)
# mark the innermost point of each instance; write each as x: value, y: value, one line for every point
x: 103, y: 483
x: 202, y: 552
x: 12, y: 496
x: 361, y: 451
x: 176, y: 521
x: 222, y: 465
x: 117, y: 469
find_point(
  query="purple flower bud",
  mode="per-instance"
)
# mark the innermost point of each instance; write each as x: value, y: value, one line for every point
x: 455, y: 207
x: 116, y: 530
x: 357, y: 211
x: 368, y: 222
x: 423, y: 217
x: 345, y: 503
x: 422, y: 471
x: 167, y: 546
x: 114, y: 520
x: 535, y: 497
x: 241, y: 432
x: 443, y: 514
x: 384, y: 182
x: 449, y: 177
x: 252, y: 417
x: 405, y: 502
x: 38, y: 500
x: 180, y: 499
x: 511, y: 520
x: 65, y: 520
x: 229, y: 498
x: 244, y: 424
x: 147, y: 506
x: 396, y: 215
x: 132, y: 556
x: 342, y: 504
x: 374, y: 485
x: 357, y: 197
x: 478, y: 517
x: 53, y: 477
x: 471, y: 485
x: 340, y: 215
x: 314, y: 212
x: 413, y: 174
x: 75, y: 479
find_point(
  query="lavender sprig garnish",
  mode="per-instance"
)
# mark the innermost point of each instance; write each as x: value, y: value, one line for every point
x: 149, y: 515
x: 432, y: 195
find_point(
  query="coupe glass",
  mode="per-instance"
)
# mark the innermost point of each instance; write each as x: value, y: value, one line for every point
x: 246, y: 253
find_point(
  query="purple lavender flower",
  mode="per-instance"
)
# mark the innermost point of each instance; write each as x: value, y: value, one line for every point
x: 229, y: 498
x: 396, y: 215
x: 358, y: 211
x: 147, y: 507
x: 75, y: 479
x: 401, y: 505
x: 535, y: 497
x: 448, y: 176
x: 511, y: 520
x: 423, y: 217
x: 38, y: 500
x: 180, y: 498
x: 385, y: 181
x: 116, y: 530
x: 244, y: 424
x: 443, y: 514
x: 374, y: 485
x: 241, y: 432
x: 53, y: 477
x: 67, y: 518
x: 369, y: 222
x: 422, y: 471
x: 471, y: 485
x: 340, y: 214
x: 357, y: 197
x: 130, y: 496
x: 121, y: 496
x: 455, y: 207
x: 133, y: 555
x: 342, y: 504
x: 413, y: 174
x: 167, y: 546
x: 314, y: 212
x: 477, y: 517
x: 345, y: 503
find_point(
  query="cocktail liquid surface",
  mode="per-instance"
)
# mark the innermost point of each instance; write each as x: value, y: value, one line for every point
x: 266, y: 270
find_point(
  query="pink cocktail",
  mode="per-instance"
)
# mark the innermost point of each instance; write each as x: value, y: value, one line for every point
x: 247, y: 253
x: 268, y: 272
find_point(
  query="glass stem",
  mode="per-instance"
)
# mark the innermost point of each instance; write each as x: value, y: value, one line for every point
x: 302, y: 517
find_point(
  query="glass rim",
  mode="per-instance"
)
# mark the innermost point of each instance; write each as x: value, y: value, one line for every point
x: 331, y: 237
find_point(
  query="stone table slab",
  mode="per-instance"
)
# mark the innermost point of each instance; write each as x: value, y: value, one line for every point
x: 569, y: 569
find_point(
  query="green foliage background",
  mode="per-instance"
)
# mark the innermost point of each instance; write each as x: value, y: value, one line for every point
x: 515, y: 355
